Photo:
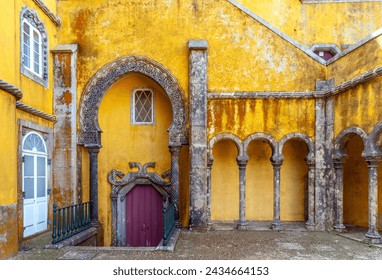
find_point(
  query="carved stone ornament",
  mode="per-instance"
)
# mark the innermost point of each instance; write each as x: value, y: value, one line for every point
x: 99, y: 84
x: 121, y: 185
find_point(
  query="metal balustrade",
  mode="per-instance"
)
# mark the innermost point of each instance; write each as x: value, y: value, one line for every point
x: 168, y: 222
x: 70, y: 220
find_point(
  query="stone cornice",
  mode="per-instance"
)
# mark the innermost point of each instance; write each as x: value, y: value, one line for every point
x: 11, y: 89
x: 55, y: 19
x: 23, y: 107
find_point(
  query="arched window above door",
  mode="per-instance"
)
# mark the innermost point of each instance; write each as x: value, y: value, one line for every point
x: 34, y: 143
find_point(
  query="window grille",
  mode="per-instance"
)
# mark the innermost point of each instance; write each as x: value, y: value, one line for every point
x: 143, y: 106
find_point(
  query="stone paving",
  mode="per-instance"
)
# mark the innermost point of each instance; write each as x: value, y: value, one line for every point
x: 227, y: 244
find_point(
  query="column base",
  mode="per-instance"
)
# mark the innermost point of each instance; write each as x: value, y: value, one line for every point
x: 339, y: 228
x: 199, y: 228
x: 242, y: 225
x: 277, y: 226
x: 310, y: 226
x: 373, y: 237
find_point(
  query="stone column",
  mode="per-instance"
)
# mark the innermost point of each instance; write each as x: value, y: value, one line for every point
x: 338, y: 193
x: 65, y: 176
x: 242, y: 163
x: 311, y: 170
x: 209, y: 182
x: 93, y: 157
x: 175, y: 150
x: 372, y: 234
x: 276, y: 224
x: 198, y: 133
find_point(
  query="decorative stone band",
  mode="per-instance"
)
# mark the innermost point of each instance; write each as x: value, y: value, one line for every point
x: 23, y: 107
x: 11, y: 89
x: 55, y: 19
x: 366, y: 77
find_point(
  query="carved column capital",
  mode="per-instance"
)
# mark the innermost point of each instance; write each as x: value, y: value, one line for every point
x: 242, y: 161
x: 372, y: 160
x: 277, y: 162
x: 338, y: 161
x: 310, y: 162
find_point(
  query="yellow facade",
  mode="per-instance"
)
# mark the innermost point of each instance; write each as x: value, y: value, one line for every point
x: 261, y: 80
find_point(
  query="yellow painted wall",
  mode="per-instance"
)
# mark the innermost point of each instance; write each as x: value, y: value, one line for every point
x: 355, y: 185
x: 357, y: 62
x: 360, y: 107
x: 275, y: 117
x: 294, y: 182
x: 335, y: 23
x: 8, y: 152
x: 266, y: 61
x: 124, y: 143
x: 259, y: 191
x: 225, y: 182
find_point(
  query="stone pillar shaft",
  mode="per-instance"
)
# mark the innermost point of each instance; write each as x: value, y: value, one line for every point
x: 338, y: 166
x: 372, y: 233
x: 242, y: 163
x: 311, y: 172
x: 93, y: 157
x: 175, y: 150
x: 209, y: 182
x: 198, y: 133
x: 276, y: 224
x: 65, y: 176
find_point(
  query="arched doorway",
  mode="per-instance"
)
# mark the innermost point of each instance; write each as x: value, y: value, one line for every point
x: 90, y: 133
x: 34, y: 184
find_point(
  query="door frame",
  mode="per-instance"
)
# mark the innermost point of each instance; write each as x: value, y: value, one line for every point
x: 121, y: 185
x: 35, y: 155
x: 47, y: 135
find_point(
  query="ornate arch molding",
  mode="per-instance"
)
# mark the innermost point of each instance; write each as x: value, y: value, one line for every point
x: 298, y: 136
x: 226, y: 136
x: 344, y: 137
x: 261, y: 136
x: 373, y: 147
x: 90, y: 134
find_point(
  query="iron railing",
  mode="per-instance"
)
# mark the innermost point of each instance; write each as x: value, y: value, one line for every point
x: 168, y: 222
x: 70, y: 220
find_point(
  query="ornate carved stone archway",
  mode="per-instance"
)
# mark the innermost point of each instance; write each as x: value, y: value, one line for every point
x: 90, y: 130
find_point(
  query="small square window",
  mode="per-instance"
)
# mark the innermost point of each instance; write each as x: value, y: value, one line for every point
x: 142, y: 109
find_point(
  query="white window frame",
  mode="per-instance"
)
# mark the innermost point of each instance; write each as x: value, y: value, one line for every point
x: 132, y: 107
x: 32, y: 50
x: 34, y: 23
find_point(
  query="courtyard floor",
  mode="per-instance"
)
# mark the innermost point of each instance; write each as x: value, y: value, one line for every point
x: 225, y: 243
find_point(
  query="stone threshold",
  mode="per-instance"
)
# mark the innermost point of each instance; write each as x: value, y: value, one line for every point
x: 69, y: 245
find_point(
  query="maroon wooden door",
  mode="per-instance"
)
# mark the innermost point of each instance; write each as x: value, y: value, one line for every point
x: 144, y: 216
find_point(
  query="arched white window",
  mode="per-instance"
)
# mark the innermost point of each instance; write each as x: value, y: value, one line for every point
x: 34, y: 47
x: 35, y: 180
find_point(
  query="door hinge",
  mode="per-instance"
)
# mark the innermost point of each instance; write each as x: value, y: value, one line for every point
x: 49, y: 221
x: 49, y: 161
x: 23, y: 194
x: 23, y: 158
x: 49, y: 191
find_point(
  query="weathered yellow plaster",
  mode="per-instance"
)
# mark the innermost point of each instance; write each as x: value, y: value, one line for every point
x: 124, y: 142
x: 361, y: 107
x: 335, y: 23
x: 276, y: 117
